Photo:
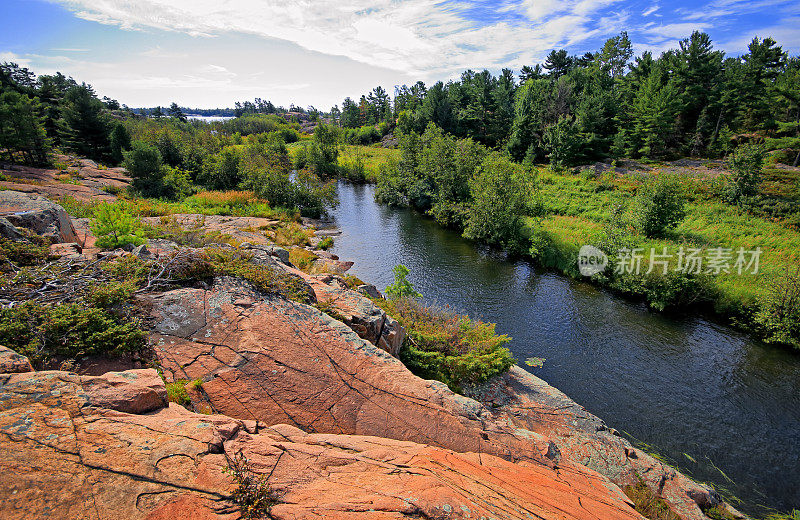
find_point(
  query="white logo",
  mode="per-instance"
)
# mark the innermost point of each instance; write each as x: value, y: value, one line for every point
x: 591, y: 260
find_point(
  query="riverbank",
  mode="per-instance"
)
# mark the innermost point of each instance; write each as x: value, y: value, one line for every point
x: 736, y: 261
x: 730, y: 402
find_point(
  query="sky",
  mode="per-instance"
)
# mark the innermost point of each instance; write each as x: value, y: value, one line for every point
x: 211, y: 53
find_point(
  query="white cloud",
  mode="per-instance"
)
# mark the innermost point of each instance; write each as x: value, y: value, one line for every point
x: 650, y: 10
x: 14, y: 58
x: 413, y: 36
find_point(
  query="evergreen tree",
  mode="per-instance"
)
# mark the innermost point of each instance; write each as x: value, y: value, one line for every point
x: 120, y: 141
x: 175, y: 111
x: 22, y: 134
x: 86, y: 127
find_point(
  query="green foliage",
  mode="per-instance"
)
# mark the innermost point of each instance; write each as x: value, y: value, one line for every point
x: 321, y: 153
x: 114, y: 227
x: 67, y: 331
x: 746, y: 163
x: 176, y: 392
x: 235, y: 262
x: 500, y: 195
x: 252, y: 494
x: 120, y: 141
x: 658, y: 206
x: 144, y: 165
x: 401, y: 288
x: 22, y: 133
x: 561, y: 142
x: 778, y: 316
x: 23, y: 252
x: 326, y: 243
x: 448, y: 347
x: 86, y: 126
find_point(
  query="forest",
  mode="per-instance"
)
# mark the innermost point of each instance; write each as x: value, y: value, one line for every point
x: 576, y: 150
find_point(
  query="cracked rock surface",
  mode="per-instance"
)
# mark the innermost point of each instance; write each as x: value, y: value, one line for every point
x: 68, y: 451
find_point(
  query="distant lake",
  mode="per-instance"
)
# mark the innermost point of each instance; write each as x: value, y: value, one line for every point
x: 208, y: 119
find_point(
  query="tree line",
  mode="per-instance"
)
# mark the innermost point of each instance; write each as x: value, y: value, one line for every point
x: 692, y: 100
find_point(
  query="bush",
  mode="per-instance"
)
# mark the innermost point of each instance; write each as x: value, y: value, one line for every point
x: 778, y: 316
x: 143, y: 162
x: 448, y: 347
x: 658, y: 206
x: 500, y: 197
x: 114, y: 227
x: 67, y: 331
x: 401, y: 288
x: 238, y: 263
x: 252, y: 494
x: 562, y: 143
x: 326, y: 243
x: 22, y: 252
x: 745, y: 163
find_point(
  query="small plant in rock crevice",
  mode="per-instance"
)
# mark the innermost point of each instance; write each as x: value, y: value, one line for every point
x: 253, y: 494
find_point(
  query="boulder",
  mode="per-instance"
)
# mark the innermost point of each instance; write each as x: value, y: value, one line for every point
x: 38, y: 214
x: 8, y: 230
x: 12, y: 362
x: 359, y: 313
x: 63, y: 459
x: 370, y: 290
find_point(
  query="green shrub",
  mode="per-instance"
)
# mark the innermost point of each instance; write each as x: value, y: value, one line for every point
x: 401, y: 288
x: 23, y: 252
x: 448, y: 347
x: 114, y: 227
x: 235, y: 262
x: 778, y: 316
x: 500, y: 197
x: 67, y: 331
x: 745, y: 163
x: 326, y: 243
x: 253, y: 494
x: 176, y: 392
x: 658, y: 206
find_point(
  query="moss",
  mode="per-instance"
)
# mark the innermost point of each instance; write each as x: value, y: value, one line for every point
x: 648, y: 504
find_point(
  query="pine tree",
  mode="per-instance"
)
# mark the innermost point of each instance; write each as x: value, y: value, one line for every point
x: 86, y: 127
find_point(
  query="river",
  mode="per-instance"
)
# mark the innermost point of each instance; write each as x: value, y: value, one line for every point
x: 722, y: 407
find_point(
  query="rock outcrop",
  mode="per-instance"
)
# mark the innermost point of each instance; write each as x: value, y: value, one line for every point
x: 81, y: 178
x: 528, y: 402
x: 274, y: 361
x: 67, y: 450
x: 37, y: 214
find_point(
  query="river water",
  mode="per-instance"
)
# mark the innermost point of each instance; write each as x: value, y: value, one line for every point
x: 722, y: 407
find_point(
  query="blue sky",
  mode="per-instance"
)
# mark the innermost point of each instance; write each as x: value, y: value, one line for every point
x: 209, y: 53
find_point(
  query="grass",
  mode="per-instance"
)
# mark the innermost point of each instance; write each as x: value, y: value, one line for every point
x: 177, y: 393
x: 371, y: 156
x: 577, y: 209
x: 232, y: 203
x: 648, y: 504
